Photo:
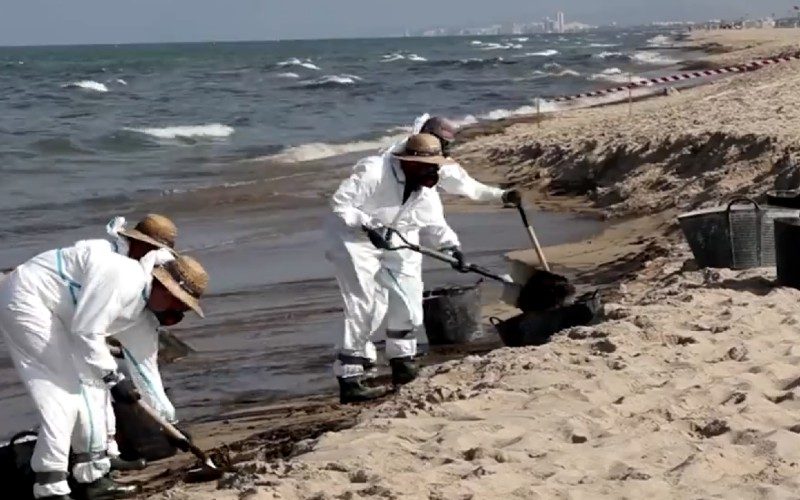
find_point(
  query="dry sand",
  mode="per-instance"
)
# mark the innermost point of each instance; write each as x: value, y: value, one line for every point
x: 686, y: 389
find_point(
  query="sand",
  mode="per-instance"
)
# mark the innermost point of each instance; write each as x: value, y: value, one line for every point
x: 687, y: 386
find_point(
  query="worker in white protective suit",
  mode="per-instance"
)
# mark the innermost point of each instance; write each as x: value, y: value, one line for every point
x: 56, y: 311
x: 384, y: 194
x: 453, y: 179
x: 138, y: 342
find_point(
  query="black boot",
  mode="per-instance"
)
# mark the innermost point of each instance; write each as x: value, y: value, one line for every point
x: 126, y: 465
x: 351, y: 390
x: 404, y: 370
x: 106, y: 488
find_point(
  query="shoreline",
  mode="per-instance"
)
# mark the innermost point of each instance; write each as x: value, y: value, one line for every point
x: 477, y: 418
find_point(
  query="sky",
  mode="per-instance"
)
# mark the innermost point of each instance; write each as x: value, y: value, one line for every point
x: 44, y: 22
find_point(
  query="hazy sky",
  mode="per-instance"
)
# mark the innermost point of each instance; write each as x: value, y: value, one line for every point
x: 30, y: 22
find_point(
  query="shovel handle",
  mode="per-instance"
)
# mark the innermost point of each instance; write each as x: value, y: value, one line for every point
x: 174, y: 433
x: 534, y: 240
x: 435, y: 254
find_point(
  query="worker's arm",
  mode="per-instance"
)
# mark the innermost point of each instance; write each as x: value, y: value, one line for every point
x: 436, y: 230
x: 112, y: 287
x: 453, y: 179
x: 353, y: 191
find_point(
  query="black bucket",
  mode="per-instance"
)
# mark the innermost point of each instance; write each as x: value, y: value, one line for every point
x: 787, y: 244
x: 536, y: 328
x: 784, y: 198
x: 139, y: 436
x: 452, y: 315
x: 15, y: 464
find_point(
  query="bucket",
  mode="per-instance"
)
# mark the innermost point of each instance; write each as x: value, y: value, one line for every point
x: 784, y: 198
x: 536, y: 328
x: 452, y: 315
x: 15, y: 466
x: 139, y: 436
x: 739, y: 235
x: 787, y: 244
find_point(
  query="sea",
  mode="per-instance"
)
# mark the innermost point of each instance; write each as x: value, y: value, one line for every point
x: 241, y: 143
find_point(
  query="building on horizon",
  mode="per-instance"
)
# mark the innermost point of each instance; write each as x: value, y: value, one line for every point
x: 560, y: 22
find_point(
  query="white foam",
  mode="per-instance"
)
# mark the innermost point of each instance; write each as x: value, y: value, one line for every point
x: 121, y: 81
x: 552, y: 65
x: 544, y: 107
x: 660, y: 41
x: 542, y: 53
x: 416, y: 58
x: 288, y: 75
x: 654, y: 58
x: 86, y: 85
x: 321, y: 150
x: 567, y: 72
x: 297, y: 62
x: 476, y: 42
x: 186, y: 131
x: 392, y: 57
x: 500, y: 46
x: 521, y: 39
x: 615, y: 75
x: 343, y: 79
x: 610, y: 55
x: 601, y: 45
x: 466, y: 120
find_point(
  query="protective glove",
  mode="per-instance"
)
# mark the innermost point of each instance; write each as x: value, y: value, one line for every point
x: 512, y: 197
x: 460, y: 265
x: 124, y: 391
x: 379, y: 237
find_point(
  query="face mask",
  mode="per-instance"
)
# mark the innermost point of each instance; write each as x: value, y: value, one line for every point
x: 170, y: 317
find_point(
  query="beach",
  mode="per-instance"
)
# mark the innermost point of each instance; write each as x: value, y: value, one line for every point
x: 687, y: 386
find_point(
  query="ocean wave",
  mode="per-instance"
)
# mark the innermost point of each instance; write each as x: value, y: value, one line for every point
x: 86, y: 85
x: 653, y: 58
x: 615, y: 75
x: 321, y: 150
x: 288, y: 75
x: 521, y: 39
x: 500, y: 46
x: 402, y: 57
x: 121, y: 81
x: 297, y: 62
x: 612, y: 55
x: 211, y: 130
x: 476, y: 43
x: 660, y: 41
x: 552, y: 66
x: 498, y: 114
x: 566, y: 72
x: 330, y: 81
x: 541, y: 53
x: 603, y: 45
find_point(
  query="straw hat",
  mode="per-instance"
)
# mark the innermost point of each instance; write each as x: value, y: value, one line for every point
x: 185, y: 279
x: 155, y: 230
x: 423, y: 148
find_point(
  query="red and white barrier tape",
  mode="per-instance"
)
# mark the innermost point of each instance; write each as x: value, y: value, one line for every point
x: 646, y: 82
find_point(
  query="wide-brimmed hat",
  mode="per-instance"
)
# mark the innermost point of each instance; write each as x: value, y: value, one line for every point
x: 423, y: 148
x: 185, y: 279
x: 155, y: 230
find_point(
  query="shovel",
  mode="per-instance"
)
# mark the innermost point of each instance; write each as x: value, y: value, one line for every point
x: 209, y: 471
x: 542, y: 291
x: 534, y: 239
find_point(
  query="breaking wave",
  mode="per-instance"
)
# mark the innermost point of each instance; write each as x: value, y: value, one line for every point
x: 331, y: 81
x: 322, y: 150
x: 86, y: 85
x: 659, y: 41
x: 653, y: 58
x: 402, y: 57
x: 214, y: 130
x: 288, y: 75
x: 297, y: 62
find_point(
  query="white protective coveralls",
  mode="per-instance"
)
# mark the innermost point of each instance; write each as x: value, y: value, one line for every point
x: 453, y: 179
x: 376, y: 283
x: 140, y: 352
x: 55, y: 312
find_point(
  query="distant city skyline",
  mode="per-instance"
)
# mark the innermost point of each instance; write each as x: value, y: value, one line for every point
x: 41, y: 22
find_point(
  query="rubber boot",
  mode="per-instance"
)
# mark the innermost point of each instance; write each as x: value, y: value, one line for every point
x: 127, y: 465
x: 106, y: 488
x: 351, y: 390
x: 404, y: 370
